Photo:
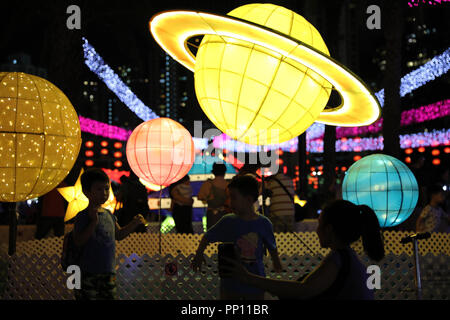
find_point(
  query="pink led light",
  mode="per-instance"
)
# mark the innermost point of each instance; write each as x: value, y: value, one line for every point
x: 415, y: 140
x: 430, y: 112
x: 102, y: 129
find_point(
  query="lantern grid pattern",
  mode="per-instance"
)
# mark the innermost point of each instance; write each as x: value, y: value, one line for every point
x: 254, y: 94
x: 40, y: 136
x: 385, y: 184
x: 160, y: 151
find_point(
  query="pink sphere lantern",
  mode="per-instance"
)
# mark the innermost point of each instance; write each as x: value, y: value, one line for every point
x: 160, y: 151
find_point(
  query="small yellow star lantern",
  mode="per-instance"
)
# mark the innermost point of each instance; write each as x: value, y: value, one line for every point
x: 263, y: 73
x: 78, y: 201
x: 40, y: 136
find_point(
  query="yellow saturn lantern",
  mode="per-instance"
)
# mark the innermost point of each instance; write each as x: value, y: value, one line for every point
x: 263, y: 73
x: 40, y: 136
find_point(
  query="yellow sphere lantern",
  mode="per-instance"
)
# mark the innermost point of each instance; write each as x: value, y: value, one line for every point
x: 263, y: 73
x: 40, y: 136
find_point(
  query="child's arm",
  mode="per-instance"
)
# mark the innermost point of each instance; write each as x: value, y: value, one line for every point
x: 81, y: 237
x: 276, y: 260
x: 122, y: 233
x: 199, y: 258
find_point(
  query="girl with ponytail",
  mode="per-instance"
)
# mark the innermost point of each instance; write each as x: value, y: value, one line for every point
x: 341, y: 275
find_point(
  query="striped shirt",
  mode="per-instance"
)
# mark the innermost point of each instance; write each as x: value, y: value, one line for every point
x: 280, y: 203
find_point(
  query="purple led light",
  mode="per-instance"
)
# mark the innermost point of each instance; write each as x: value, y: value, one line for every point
x: 424, y: 139
x: 102, y: 129
x: 433, y: 111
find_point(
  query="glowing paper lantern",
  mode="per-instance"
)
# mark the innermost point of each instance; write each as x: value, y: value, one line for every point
x: 385, y: 184
x: 151, y: 186
x: 40, y: 136
x: 263, y: 73
x: 78, y: 201
x: 160, y: 151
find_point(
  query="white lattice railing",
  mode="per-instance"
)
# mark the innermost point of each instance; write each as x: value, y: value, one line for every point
x: 172, y: 243
x: 143, y: 277
x: 34, y: 272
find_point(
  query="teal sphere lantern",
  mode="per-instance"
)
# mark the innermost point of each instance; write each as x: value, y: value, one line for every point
x: 385, y: 184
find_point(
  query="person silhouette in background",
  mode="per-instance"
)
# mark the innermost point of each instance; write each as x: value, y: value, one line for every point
x: 281, y: 210
x: 134, y: 198
x: 181, y: 194
x: 433, y: 218
x: 341, y: 275
x: 214, y: 193
x: 52, y: 214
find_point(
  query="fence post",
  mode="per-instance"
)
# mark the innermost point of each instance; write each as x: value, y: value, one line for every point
x: 12, y: 228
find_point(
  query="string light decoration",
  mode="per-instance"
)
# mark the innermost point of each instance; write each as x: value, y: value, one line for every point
x: 160, y: 151
x: 96, y: 64
x: 431, y: 70
x: 40, y: 136
x: 263, y: 73
x: 385, y: 184
x: 430, y: 112
x: 424, y: 139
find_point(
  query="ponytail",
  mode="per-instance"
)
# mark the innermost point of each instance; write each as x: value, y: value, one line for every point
x: 371, y: 235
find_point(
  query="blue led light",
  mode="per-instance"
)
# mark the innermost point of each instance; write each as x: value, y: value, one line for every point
x: 96, y: 64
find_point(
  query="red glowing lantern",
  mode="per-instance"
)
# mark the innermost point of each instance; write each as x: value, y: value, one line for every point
x: 117, y: 154
x: 356, y: 158
x: 118, y: 145
x: 421, y: 149
x: 408, y: 159
x: 436, y: 161
x: 435, y: 152
x: 89, y: 144
x: 160, y: 151
x: 408, y: 151
x: 118, y: 163
x: 104, y: 151
x: 89, y: 163
x: 104, y: 143
x: 447, y: 150
x: 89, y: 153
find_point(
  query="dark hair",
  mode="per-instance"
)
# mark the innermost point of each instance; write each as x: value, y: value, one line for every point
x: 434, y: 189
x: 246, y: 184
x: 92, y: 175
x: 219, y: 169
x: 350, y: 221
